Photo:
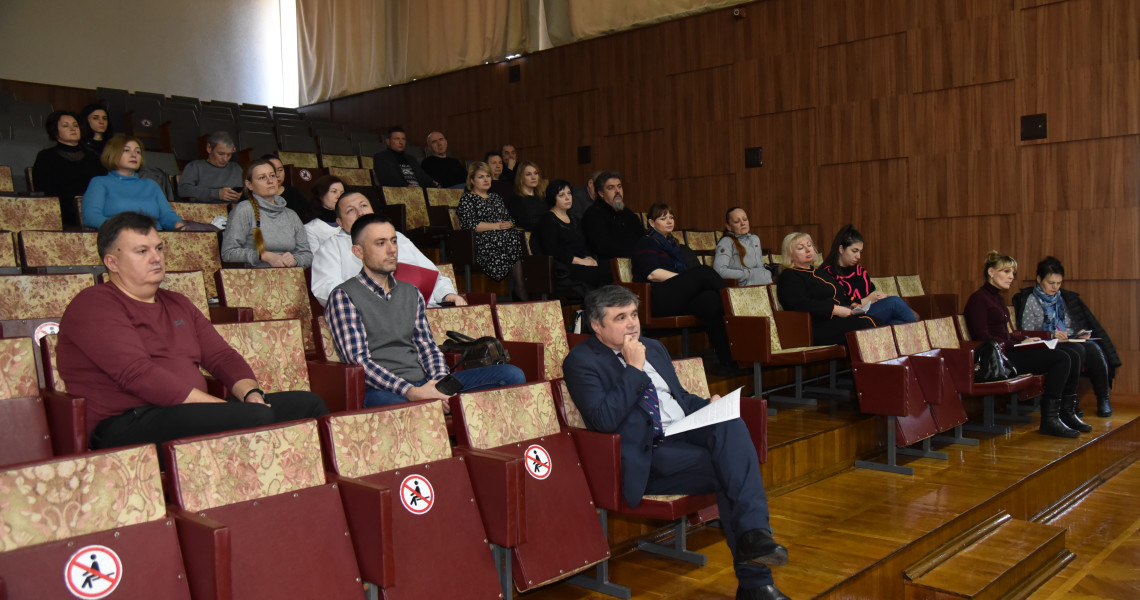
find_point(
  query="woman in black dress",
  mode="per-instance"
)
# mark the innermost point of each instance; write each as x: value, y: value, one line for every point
x: 526, y: 205
x: 95, y: 127
x: 559, y: 236
x: 498, y: 246
x: 806, y: 288
x: 65, y: 169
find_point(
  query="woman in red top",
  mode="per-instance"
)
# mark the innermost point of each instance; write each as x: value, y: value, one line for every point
x: 987, y: 318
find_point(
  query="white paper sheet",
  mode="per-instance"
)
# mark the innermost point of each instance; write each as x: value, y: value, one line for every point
x: 728, y: 407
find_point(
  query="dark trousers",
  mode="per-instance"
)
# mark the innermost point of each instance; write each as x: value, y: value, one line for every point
x: 1092, y: 358
x: 1062, y: 369
x: 157, y: 424
x: 718, y: 459
x: 696, y: 291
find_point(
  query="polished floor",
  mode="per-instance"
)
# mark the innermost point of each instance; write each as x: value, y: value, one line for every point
x: 852, y: 532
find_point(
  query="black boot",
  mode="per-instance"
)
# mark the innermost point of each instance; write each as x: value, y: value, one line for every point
x: 1069, y: 416
x: 1051, y: 423
x: 518, y: 284
x: 1103, y: 406
x: 1077, y: 411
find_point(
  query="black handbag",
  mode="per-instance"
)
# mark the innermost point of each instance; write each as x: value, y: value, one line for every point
x: 991, y: 364
x: 475, y: 353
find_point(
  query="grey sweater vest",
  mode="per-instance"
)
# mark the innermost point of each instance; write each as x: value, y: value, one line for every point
x: 390, y: 326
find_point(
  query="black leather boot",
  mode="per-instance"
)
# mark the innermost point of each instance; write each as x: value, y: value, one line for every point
x: 1051, y: 423
x: 1103, y: 406
x: 1069, y: 416
x: 518, y: 284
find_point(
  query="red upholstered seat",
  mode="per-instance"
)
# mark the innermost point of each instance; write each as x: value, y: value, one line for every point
x: 35, y: 423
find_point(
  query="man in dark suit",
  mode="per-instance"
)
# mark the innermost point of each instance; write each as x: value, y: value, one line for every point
x: 623, y: 383
x: 396, y: 168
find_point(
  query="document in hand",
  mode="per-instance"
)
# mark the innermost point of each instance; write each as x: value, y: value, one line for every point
x: 1051, y: 344
x: 728, y: 407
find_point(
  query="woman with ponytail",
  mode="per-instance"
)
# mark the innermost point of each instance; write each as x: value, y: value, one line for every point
x: 987, y: 318
x: 738, y: 254
x: 262, y: 231
x: 842, y: 265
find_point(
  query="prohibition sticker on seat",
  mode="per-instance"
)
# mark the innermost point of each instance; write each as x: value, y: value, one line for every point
x: 417, y: 494
x: 93, y: 572
x: 538, y: 462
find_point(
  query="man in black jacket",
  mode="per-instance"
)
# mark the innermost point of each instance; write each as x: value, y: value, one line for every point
x: 396, y: 168
x: 611, y: 229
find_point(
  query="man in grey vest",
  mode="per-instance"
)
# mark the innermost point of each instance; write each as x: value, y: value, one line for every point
x: 381, y: 324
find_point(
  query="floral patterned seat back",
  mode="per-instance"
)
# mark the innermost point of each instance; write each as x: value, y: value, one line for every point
x: 346, y: 166
x: 39, y: 296
x: 752, y: 301
x: 625, y: 270
x: 219, y: 470
x: 202, y: 212
x: 448, y: 271
x: 303, y: 160
x: 909, y: 286
x: 509, y: 415
x: 194, y: 251
x: 367, y: 162
x: 700, y: 241
x: 911, y: 338
x: 273, y: 294
x: 273, y: 350
x: 59, y: 248
x: 51, y: 369
x: 536, y: 322
x: 570, y: 413
x: 444, y: 197
x: 189, y: 284
x: 328, y: 345
x: 415, y: 207
x: 691, y: 372
x: 18, y: 214
x: 370, y: 442
x: 6, y: 179
x: 8, y: 249
x: 455, y: 223
x: 73, y: 496
x: 941, y: 332
x: 473, y: 320
x: 963, y: 328
x: 886, y: 285
x: 18, y: 377
x: 775, y: 259
x: 774, y: 297
x: 876, y: 345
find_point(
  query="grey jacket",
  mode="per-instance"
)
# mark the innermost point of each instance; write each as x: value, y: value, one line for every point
x: 281, y: 228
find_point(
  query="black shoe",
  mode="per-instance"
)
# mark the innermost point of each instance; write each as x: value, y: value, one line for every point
x: 1103, y: 407
x: 1051, y: 423
x: 764, y: 592
x: 758, y: 547
x: 1077, y: 411
x: 1070, y: 418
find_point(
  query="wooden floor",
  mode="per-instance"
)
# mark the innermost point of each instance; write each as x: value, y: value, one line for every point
x: 852, y: 532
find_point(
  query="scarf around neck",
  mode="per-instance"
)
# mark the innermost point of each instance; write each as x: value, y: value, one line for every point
x: 1053, y: 307
x: 670, y: 246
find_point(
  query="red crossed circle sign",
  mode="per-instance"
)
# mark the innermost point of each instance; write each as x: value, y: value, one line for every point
x: 416, y: 494
x: 93, y: 572
x: 305, y: 174
x: 537, y: 462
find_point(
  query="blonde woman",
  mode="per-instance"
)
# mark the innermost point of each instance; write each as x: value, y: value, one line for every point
x: 262, y: 231
x: 497, y: 246
x: 804, y: 287
x: 526, y: 205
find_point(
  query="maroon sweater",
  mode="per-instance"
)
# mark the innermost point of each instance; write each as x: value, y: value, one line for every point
x: 987, y: 317
x: 120, y: 353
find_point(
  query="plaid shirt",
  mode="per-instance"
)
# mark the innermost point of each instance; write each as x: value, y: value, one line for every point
x: 352, y: 340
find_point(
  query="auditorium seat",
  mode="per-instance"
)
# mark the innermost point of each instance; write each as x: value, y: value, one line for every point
x: 928, y: 306
x: 297, y: 140
x: 35, y: 422
x: 37, y: 112
x: 39, y: 296
x: 192, y: 285
x: 6, y: 183
x: 885, y: 285
x: 202, y: 212
x: 623, y: 275
x: 116, y: 518
x: 476, y: 321
x: 331, y: 144
x: 258, y: 143
x: 9, y: 260
x: 556, y: 527
x: 402, y: 489
x: 702, y: 243
x: 194, y: 251
x: 273, y: 528
x: 60, y: 252
x: 273, y: 294
x: 536, y: 322
x: 933, y: 374
x: 425, y: 225
x: 444, y: 197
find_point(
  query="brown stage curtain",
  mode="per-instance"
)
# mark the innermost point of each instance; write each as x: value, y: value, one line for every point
x: 351, y: 46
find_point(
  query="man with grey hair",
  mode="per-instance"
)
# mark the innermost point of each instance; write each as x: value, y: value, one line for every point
x: 215, y: 178
x: 446, y: 170
x: 623, y: 383
x: 611, y: 230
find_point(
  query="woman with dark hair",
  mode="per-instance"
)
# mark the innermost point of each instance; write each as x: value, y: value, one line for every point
x: 680, y: 284
x: 500, y: 186
x: 525, y: 205
x: 498, y: 247
x: 95, y: 127
x: 64, y: 170
x: 325, y: 193
x: 739, y: 255
x: 262, y: 231
x: 559, y: 236
x: 842, y: 265
x: 1049, y: 311
x: 806, y: 288
x: 122, y: 190
x: 294, y: 199
x: 987, y: 319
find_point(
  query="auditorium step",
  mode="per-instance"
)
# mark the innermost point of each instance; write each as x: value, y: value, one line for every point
x: 1001, y: 558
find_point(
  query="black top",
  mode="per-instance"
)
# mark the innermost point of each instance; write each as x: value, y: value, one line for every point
x: 446, y: 171
x: 560, y: 240
x: 295, y: 201
x: 808, y: 290
x: 610, y: 233
x: 527, y: 210
x: 654, y: 252
x: 65, y: 171
x: 387, y: 165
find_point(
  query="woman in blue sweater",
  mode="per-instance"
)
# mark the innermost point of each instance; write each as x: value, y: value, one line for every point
x: 122, y: 190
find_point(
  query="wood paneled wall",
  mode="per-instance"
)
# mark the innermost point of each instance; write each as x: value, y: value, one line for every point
x: 901, y: 117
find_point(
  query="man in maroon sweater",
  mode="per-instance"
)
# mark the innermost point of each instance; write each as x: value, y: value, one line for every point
x: 134, y: 350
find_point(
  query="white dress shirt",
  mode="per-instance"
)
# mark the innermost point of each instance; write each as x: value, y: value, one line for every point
x: 334, y: 263
x: 671, y: 410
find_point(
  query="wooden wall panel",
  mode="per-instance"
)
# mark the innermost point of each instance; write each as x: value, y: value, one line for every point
x: 969, y: 118
x: 576, y: 123
x: 775, y: 83
x: 693, y: 198
x: 1091, y: 102
x: 866, y: 130
x: 960, y: 184
x: 696, y: 97
x: 953, y: 251
x: 927, y: 14
x: 702, y: 150
x: 844, y: 76
x: 640, y: 158
x: 872, y: 196
x: 783, y: 190
x: 692, y: 45
x: 59, y: 96
x: 776, y: 27
x: 632, y: 106
x: 630, y: 56
x: 962, y: 53
x: 1098, y: 244
x: 1100, y: 173
x: 1078, y: 33
x: 839, y: 21
x: 470, y: 134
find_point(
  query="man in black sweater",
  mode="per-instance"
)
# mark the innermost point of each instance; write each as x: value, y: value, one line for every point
x: 447, y: 171
x: 396, y: 168
x: 610, y: 229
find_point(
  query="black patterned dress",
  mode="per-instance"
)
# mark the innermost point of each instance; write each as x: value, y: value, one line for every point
x: 497, y: 250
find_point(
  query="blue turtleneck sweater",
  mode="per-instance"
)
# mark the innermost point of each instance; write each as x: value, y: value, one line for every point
x: 114, y: 193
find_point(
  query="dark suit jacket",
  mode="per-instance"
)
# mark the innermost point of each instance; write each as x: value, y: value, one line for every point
x: 609, y: 397
x: 388, y: 171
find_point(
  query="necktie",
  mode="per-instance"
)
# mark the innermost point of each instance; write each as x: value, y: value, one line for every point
x: 653, y: 407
